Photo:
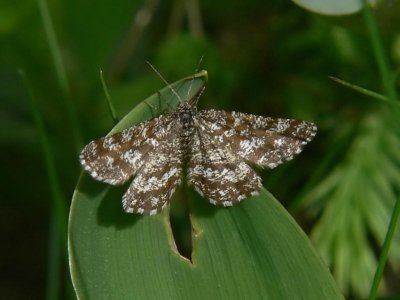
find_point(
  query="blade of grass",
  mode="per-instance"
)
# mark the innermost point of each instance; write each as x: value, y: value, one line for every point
x: 365, y: 91
x: 108, y: 99
x: 379, y: 53
x: 58, y: 203
x: 61, y: 73
x: 385, y: 250
x: 390, y: 90
x: 53, y: 261
x: 54, y: 48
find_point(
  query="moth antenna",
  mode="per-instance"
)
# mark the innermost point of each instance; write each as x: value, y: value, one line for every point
x: 196, y: 70
x: 196, y: 99
x: 165, y: 81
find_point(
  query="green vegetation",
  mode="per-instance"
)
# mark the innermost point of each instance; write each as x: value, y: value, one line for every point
x: 270, y: 58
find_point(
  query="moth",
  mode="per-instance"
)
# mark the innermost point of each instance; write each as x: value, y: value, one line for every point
x: 214, y: 148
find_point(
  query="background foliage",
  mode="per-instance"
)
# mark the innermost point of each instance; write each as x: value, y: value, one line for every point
x: 269, y: 58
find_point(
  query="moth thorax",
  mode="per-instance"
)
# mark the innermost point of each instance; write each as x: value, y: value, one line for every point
x: 185, y: 115
x: 186, y: 118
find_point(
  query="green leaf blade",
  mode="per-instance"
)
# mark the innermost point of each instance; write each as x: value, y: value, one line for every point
x: 253, y: 250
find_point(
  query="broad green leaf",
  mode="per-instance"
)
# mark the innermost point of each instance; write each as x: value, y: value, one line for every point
x: 251, y: 251
x: 333, y: 7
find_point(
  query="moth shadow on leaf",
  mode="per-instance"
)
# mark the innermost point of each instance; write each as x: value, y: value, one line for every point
x: 110, y: 211
x: 200, y: 207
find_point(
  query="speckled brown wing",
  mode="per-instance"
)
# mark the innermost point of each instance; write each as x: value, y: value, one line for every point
x: 264, y: 141
x: 156, y: 181
x: 218, y: 175
x: 116, y: 158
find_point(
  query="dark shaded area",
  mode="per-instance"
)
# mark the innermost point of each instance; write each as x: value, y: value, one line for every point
x: 181, y: 225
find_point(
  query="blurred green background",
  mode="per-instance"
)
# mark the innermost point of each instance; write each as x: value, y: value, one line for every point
x: 271, y: 58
